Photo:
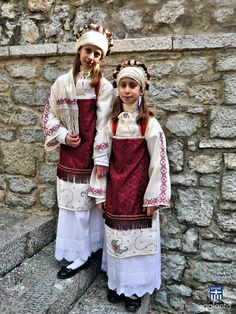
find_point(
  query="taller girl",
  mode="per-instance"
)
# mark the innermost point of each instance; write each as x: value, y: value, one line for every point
x: 75, y: 117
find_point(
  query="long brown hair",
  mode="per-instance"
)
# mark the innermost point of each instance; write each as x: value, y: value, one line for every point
x: 95, y: 73
x: 143, y: 111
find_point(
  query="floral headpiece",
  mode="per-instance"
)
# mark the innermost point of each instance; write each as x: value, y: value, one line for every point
x: 132, y: 63
x: 99, y: 29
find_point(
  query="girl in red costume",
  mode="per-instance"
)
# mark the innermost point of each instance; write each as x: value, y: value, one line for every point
x: 75, y: 117
x: 138, y: 185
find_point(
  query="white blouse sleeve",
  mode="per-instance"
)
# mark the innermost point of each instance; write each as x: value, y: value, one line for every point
x: 54, y: 131
x: 104, y: 108
x: 158, y: 190
x: 97, y: 186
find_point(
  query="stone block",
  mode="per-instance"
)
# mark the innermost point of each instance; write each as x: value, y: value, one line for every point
x: 33, y: 50
x: 226, y: 62
x: 180, y: 290
x: 190, y: 241
x: 193, y: 66
x: 173, y: 267
x: 210, y: 180
x: 206, y: 95
x: 23, y: 71
x: 34, y: 288
x: 5, y: 81
x: 183, y: 124
x: 160, y: 92
x: 229, y: 89
x: 217, y: 143
x: 217, y: 253
x: 19, y: 158
x: 175, y: 155
x: 223, y: 122
x: 132, y: 19
x: 184, y: 179
x: 189, y: 42
x: 195, y: 207
x: 227, y: 222
x: 21, y: 185
x: 4, y: 51
x: 23, y: 94
x: 143, y: 44
x: 220, y: 273
x: 67, y: 48
x: 229, y: 186
x: 7, y: 134
x: 230, y: 161
x: 22, y: 235
x: 205, y: 164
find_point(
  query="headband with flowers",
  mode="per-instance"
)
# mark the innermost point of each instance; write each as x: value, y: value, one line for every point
x: 131, y: 63
x: 99, y: 29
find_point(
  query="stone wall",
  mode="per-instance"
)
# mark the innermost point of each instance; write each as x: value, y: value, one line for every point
x: 194, y: 97
x: 190, y: 49
x: 53, y: 21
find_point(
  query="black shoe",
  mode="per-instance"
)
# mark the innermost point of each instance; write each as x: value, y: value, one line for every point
x: 132, y: 305
x: 65, y: 272
x: 114, y: 297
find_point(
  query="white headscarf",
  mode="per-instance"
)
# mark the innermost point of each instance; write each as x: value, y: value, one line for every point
x: 134, y: 72
x: 95, y: 38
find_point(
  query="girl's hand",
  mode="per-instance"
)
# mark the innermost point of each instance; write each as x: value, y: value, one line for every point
x: 101, y: 171
x: 102, y: 207
x: 150, y: 210
x: 73, y: 140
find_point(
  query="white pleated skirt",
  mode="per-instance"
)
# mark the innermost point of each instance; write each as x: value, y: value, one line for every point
x: 134, y: 275
x: 79, y: 233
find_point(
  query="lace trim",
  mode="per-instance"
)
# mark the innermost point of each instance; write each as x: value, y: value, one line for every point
x: 130, y: 290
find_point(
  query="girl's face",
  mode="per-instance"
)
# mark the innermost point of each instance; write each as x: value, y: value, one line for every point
x: 90, y: 56
x: 129, y: 90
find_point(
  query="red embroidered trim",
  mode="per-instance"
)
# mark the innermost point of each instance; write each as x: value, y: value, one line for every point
x: 48, y: 132
x: 162, y: 199
x: 157, y: 201
x: 96, y: 191
x: 101, y: 146
x: 67, y: 101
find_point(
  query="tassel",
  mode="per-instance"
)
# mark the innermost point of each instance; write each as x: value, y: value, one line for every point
x: 70, y: 119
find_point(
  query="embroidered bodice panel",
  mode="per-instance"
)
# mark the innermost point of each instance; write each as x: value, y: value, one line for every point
x: 83, y: 86
x: 127, y: 126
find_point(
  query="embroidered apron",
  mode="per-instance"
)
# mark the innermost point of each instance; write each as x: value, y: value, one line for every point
x: 76, y: 163
x: 126, y: 185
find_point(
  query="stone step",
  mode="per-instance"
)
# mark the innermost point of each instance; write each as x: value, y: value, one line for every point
x: 34, y: 288
x: 94, y: 300
x: 22, y: 235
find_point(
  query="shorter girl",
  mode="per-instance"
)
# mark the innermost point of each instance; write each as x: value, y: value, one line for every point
x: 138, y: 185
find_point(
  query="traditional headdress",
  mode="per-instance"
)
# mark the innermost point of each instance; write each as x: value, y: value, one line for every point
x: 93, y: 34
x: 135, y: 70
